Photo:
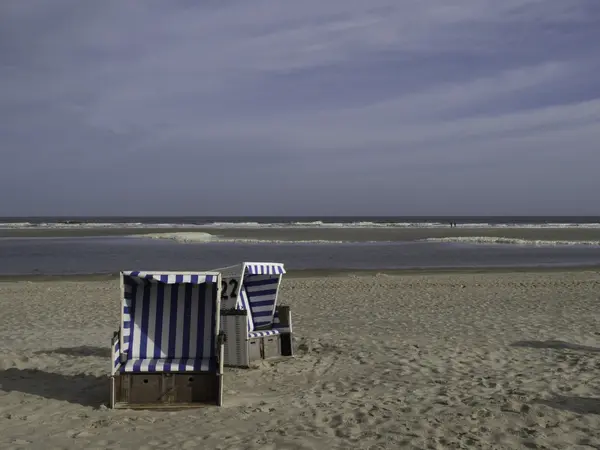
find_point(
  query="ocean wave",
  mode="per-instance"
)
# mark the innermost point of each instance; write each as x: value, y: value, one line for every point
x: 238, y: 225
x: 294, y: 241
x: 370, y: 224
x: 185, y: 238
x: 91, y: 225
x: 320, y: 224
x: 16, y: 225
x: 289, y: 225
x: 513, y: 241
x: 205, y: 238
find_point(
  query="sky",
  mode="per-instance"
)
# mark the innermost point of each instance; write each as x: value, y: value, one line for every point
x: 266, y: 107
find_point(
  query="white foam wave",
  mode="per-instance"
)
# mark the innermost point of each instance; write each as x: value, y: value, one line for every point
x: 91, y: 225
x: 238, y: 225
x: 363, y: 224
x: 191, y: 237
x: 282, y: 241
x: 204, y: 238
x: 367, y: 224
x: 513, y: 241
x: 16, y: 225
x: 289, y: 225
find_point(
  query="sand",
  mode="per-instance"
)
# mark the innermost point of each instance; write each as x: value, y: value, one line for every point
x: 495, y: 360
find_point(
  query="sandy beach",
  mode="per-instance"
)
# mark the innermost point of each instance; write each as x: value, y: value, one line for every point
x: 489, y: 360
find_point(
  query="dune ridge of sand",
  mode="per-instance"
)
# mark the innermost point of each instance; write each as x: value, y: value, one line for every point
x: 419, y: 361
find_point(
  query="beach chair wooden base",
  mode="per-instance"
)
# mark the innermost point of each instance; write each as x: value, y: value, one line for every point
x: 264, y: 348
x: 166, y: 390
x: 270, y: 347
x: 242, y: 351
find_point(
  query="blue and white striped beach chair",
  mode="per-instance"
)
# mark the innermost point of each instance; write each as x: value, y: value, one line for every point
x: 169, y: 350
x: 255, y: 325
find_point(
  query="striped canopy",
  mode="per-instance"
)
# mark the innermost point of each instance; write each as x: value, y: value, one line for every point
x: 265, y: 268
x: 170, y: 321
x: 174, y: 277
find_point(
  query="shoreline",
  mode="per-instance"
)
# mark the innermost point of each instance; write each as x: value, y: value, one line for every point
x: 331, y: 273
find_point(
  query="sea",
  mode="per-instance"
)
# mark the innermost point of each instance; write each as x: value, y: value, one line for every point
x: 106, y: 245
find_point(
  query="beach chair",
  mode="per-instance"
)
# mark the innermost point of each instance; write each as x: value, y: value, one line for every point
x: 168, y: 351
x: 256, y: 327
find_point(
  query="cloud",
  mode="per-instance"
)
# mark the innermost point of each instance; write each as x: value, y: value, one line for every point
x: 308, y: 100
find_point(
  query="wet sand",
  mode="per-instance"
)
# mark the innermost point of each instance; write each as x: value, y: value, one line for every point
x: 447, y: 360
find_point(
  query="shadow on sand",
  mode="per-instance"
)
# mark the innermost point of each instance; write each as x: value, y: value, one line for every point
x: 84, y: 389
x: 578, y: 405
x: 84, y: 350
x: 558, y: 345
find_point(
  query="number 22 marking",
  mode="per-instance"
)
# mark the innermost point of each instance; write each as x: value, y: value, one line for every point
x: 224, y: 285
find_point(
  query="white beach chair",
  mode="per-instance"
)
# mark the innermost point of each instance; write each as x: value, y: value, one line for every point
x: 256, y: 327
x: 168, y: 351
